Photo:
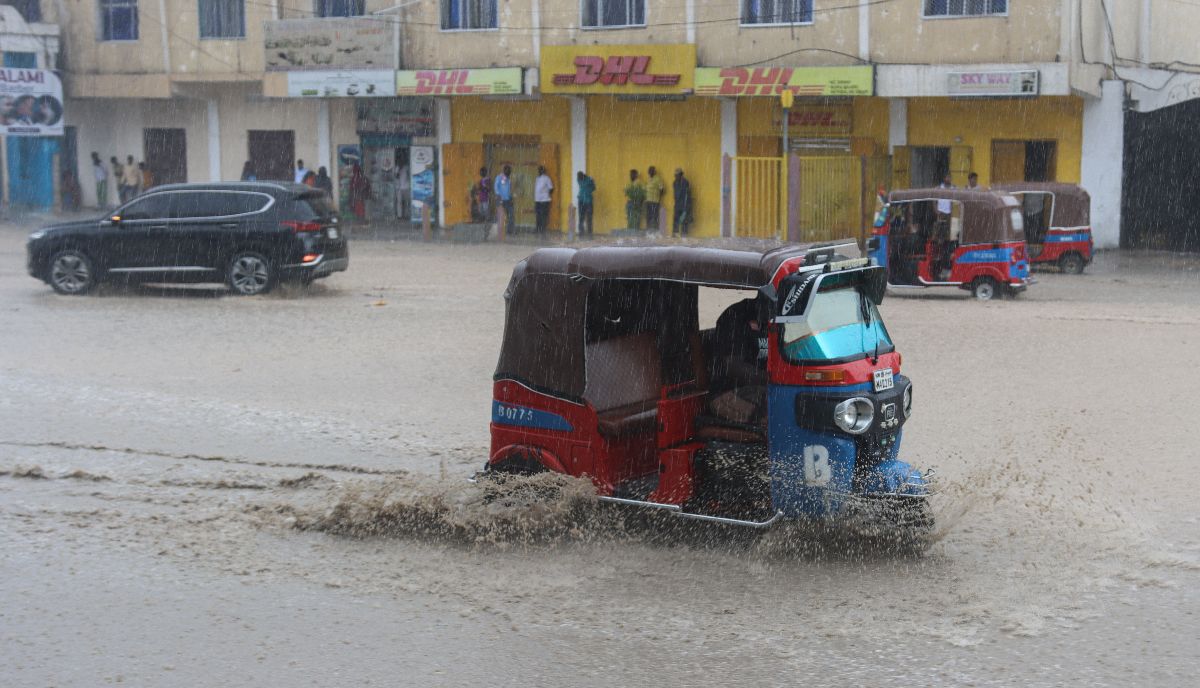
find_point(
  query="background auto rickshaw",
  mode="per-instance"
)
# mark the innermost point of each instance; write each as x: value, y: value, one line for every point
x: 953, y: 238
x: 1058, y: 226
x: 791, y: 406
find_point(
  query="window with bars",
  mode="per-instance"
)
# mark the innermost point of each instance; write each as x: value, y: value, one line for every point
x: 602, y: 13
x: 341, y: 8
x: 964, y: 8
x: 222, y: 18
x: 118, y: 20
x: 776, y: 11
x: 468, y: 14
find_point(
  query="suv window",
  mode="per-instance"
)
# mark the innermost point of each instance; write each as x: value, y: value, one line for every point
x: 150, y: 207
x: 312, y: 206
x: 190, y: 204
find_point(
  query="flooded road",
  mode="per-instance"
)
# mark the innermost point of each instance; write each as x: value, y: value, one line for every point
x: 197, y: 489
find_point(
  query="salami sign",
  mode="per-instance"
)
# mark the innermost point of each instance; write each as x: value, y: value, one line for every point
x: 31, y: 103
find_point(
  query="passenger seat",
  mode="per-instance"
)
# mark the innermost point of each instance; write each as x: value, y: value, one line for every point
x: 624, y: 380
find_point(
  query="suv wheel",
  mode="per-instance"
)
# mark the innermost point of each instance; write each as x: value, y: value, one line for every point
x: 71, y: 273
x: 250, y: 274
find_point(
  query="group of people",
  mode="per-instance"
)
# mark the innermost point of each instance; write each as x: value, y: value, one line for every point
x: 647, y: 196
x: 131, y: 178
x: 487, y: 193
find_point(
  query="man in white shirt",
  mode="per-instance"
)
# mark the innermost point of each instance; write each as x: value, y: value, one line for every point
x: 300, y: 171
x: 542, y: 190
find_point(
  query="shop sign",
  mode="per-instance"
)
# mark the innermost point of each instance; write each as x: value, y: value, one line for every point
x: 328, y: 43
x: 1018, y: 83
x: 820, y: 121
x: 460, y: 82
x: 370, y: 83
x: 31, y: 103
x: 396, y: 117
x: 618, y: 69
x: 732, y: 82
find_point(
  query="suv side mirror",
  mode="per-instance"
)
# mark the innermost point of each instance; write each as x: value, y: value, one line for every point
x: 111, y: 221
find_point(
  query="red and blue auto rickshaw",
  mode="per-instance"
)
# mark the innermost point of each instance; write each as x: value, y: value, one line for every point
x: 961, y: 238
x: 791, y: 406
x: 1058, y: 227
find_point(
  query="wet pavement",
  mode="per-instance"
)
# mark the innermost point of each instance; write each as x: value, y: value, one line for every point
x: 197, y: 489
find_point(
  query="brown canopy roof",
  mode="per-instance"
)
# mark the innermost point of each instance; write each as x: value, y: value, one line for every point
x: 1072, y: 204
x: 543, y: 343
x: 732, y: 262
x: 984, y: 216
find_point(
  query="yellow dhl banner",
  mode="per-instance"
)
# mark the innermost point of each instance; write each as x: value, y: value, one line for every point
x: 771, y: 81
x: 460, y: 82
x: 618, y: 69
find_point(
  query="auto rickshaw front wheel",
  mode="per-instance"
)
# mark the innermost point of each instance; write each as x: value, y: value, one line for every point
x: 1072, y: 264
x: 985, y: 289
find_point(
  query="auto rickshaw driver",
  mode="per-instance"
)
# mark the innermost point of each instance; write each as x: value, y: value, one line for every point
x: 738, y: 378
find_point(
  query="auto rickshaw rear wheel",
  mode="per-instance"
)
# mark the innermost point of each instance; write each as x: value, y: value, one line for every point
x: 1071, y: 264
x: 985, y: 289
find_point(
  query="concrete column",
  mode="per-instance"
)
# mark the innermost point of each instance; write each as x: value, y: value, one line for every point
x: 443, y: 137
x: 1103, y: 160
x: 578, y: 143
x: 729, y: 137
x: 897, y: 123
x: 323, y: 154
x: 213, y: 120
x: 864, y: 29
x: 689, y: 14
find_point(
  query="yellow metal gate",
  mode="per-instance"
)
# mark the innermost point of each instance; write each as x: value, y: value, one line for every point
x: 758, y: 197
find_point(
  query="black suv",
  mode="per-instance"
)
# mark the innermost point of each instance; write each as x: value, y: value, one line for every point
x: 249, y: 235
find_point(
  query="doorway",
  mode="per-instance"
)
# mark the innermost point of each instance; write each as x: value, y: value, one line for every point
x: 165, y: 153
x: 387, y: 169
x: 930, y: 165
x: 1024, y: 161
x: 273, y: 153
x: 523, y: 154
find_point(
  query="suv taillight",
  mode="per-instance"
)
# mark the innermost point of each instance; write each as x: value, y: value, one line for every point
x: 296, y: 226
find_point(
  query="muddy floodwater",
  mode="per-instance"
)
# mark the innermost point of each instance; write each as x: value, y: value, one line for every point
x: 197, y: 489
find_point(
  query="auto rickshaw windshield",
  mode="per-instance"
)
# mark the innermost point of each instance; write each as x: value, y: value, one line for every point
x: 843, y: 324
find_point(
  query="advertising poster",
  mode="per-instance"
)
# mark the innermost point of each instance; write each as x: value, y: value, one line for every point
x: 31, y: 103
x: 424, y: 179
x: 363, y: 83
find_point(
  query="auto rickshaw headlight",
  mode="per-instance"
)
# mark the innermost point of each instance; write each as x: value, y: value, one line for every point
x: 854, y: 415
x: 907, y: 402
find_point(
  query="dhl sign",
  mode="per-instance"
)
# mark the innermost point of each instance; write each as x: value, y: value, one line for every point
x: 618, y: 69
x: 734, y: 82
x: 460, y: 82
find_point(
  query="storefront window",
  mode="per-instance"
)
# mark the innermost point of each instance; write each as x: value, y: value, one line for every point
x: 964, y: 8
x: 598, y: 13
x: 222, y: 18
x: 468, y: 14
x: 776, y: 11
x: 340, y: 8
x: 118, y: 20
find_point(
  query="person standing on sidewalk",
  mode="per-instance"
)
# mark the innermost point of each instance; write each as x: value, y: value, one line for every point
x: 655, y: 187
x: 635, y: 200
x: 587, y: 191
x: 301, y: 170
x: 543, y: 188
x: 503, y: 189
x: 683, y: 204
x: 118, y: 184
x: 100, y: 174
x: 131, y: 179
